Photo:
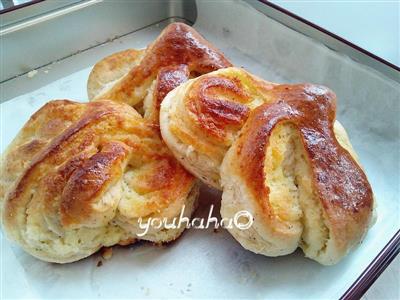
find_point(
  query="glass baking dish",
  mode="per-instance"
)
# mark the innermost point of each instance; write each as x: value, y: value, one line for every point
x: 48, y: 53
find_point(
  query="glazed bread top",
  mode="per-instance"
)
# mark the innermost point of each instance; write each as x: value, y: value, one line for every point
x: 276, y: 151
x: 134, y: 77
x: 77, y: 172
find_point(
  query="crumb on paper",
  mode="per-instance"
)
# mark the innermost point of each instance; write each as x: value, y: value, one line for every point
x: 99, y: 263
x: 32, y: 73
x: 188, y: 289
x: 106, y: 253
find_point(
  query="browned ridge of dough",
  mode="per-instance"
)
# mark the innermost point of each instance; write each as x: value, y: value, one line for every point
x: 216, y: 108
x: 215, y: 114
x: 168, y: 78
x: 340, y: 183
x: 87, y: 181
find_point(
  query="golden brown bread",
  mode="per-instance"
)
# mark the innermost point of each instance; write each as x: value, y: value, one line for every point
x: 78, y: 176
x: 179, y: 53
x: 111, y: 69
x: 277, y: 152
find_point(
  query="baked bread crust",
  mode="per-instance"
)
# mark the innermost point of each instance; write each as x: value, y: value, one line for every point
x: 111, y: 69
x: 277, y: 152
x: 78, y: 176
x: 179, y: 53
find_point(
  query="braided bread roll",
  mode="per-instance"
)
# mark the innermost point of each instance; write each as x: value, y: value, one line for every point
x: 277, y: 152
x: 142, y: 78
x: 78, y: 176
